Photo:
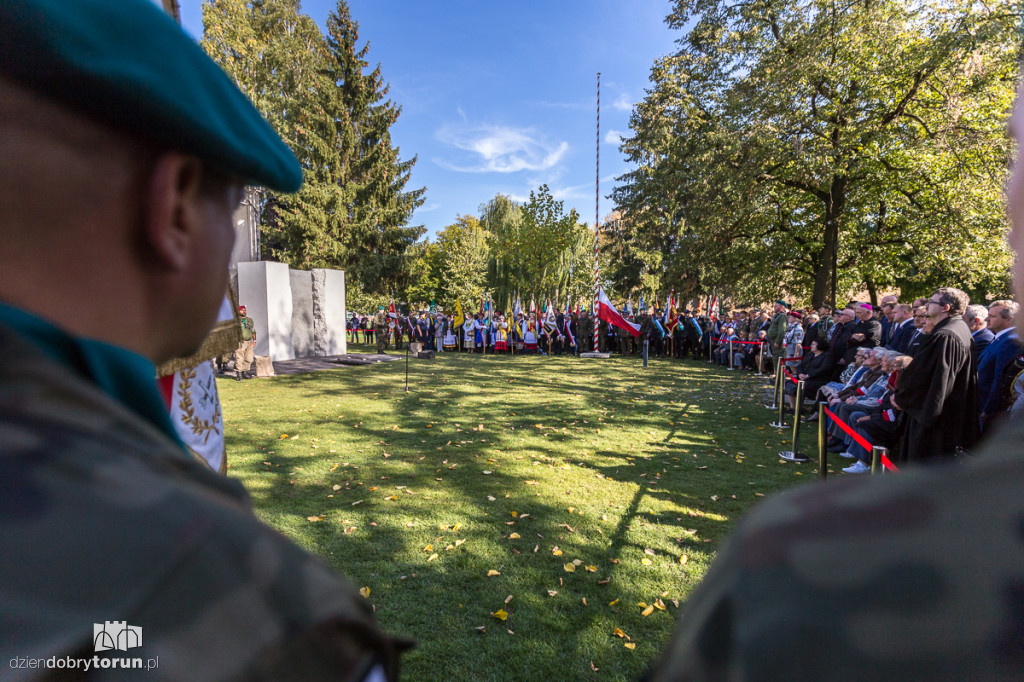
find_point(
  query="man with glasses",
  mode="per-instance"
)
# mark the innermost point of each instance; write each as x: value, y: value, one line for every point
x: 920, y: 332
x: 939, y: 391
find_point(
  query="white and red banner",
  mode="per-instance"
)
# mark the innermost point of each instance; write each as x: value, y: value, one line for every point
x: 192, y: 400
x: 607, y: 312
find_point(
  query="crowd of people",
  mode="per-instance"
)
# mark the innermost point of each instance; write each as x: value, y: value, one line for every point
x: 925, y: 379
x: 902, y: 375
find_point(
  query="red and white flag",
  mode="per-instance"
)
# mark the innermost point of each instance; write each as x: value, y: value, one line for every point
x: 713, y: 308
x: 607, y: 312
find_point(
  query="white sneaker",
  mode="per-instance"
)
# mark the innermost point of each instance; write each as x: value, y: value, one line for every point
x: 857, y: 467
x: 847, y: 455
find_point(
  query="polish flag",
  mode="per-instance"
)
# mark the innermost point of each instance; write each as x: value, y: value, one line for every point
x: 607, y: 312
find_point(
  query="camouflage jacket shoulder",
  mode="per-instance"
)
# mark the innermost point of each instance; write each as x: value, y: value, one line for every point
x: 912, y: 576
x: 103, y: 518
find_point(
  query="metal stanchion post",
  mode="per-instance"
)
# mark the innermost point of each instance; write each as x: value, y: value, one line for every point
x: 780, y: 399
x: 822, y: 443
x: 876, y: 459
x: 794, y: 455
x: 731, y: 345
x: 775, y: 392
x: 407, y: 368
x: 645, y: 352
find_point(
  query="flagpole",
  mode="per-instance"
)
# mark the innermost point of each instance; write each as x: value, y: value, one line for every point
x: 597, y: 211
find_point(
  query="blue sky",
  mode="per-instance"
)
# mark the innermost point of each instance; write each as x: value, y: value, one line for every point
x: 499, y: 97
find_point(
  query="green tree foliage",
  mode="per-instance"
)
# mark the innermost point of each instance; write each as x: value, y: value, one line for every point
x: 812, y: 146
x: 353, y: 211
x: 462, y: 255
x: 536, y: 248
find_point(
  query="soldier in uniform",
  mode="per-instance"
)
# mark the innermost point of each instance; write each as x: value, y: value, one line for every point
x: 380, y: 329
x: 243, y: 354
x: 916, y: 576
x: 104, y: 516
x: 777, y: 330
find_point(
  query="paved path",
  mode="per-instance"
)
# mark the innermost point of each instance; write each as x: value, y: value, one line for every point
x: 306, y: 365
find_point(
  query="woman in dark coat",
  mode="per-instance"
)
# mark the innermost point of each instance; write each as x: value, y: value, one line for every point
x: 815, y: 371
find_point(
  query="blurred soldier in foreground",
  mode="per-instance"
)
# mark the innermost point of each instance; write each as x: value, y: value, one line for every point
x: 125, y: 150
x: 912, y: 576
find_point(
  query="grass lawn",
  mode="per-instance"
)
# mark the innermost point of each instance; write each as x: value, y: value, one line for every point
x: 512, y: 515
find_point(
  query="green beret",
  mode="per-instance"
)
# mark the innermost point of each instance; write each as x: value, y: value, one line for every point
x: 128, y: 65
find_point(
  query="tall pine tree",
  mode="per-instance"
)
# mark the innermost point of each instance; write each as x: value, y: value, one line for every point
x: 353, y: 210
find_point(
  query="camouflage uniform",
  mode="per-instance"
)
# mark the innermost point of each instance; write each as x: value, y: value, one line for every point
x: 380, y: 330
x: 912, y: 576
x: 777, y: 333
x: 103, y: 517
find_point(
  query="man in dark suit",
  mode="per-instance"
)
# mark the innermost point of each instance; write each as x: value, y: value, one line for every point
x: 918, y: 336
x: 902, y: 328
x: 886, y: 319
x: 993, y: 361
x: 976, y: 318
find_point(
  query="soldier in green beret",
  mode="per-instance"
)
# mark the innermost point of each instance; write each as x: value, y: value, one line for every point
x: 125, y: 153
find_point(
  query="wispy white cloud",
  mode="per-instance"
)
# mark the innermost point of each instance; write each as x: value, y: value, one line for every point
x: 499, y: 149
x: 622, y: 103
x: 580, y: 105
x: 614, y: 137
x: 427, y: 208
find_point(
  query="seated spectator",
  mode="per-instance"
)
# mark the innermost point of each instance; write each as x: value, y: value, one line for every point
x: 848, y: 375
x: 815, y: 370
x: 877, y: 423
x: 870, y: 385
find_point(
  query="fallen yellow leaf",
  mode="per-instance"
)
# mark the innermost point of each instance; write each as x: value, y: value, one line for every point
x: 658, y: 604
x: 618, y: 632
x: 591, y: 569
x: 514, y: 514
x: 646, y: 562
x: 569, y: 568
x: 629, y: 645
x: 456, y: 527
x: 392, y: 497
x: 683, y: 559
x: 514, y: 536
x: 283, y: 436
x: 613, y: 603
x: 428, y: 548
x: 312, y: 518
x: 556, y: 552
x: 500, y: 614
x: 431, y: 557
x: 365, y: 591
x: 492, y: 573
x: 648, y: 611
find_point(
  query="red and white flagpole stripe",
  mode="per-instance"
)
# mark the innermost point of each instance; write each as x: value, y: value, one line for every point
x: 597, y: 209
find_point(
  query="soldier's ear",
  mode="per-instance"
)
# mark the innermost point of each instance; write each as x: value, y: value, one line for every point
x: 171, y: 215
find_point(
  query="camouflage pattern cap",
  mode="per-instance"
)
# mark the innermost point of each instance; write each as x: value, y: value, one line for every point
x: 128, y: 65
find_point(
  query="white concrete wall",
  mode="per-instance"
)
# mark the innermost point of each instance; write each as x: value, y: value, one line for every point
x: 264, y: 288
x: 329, y: 313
